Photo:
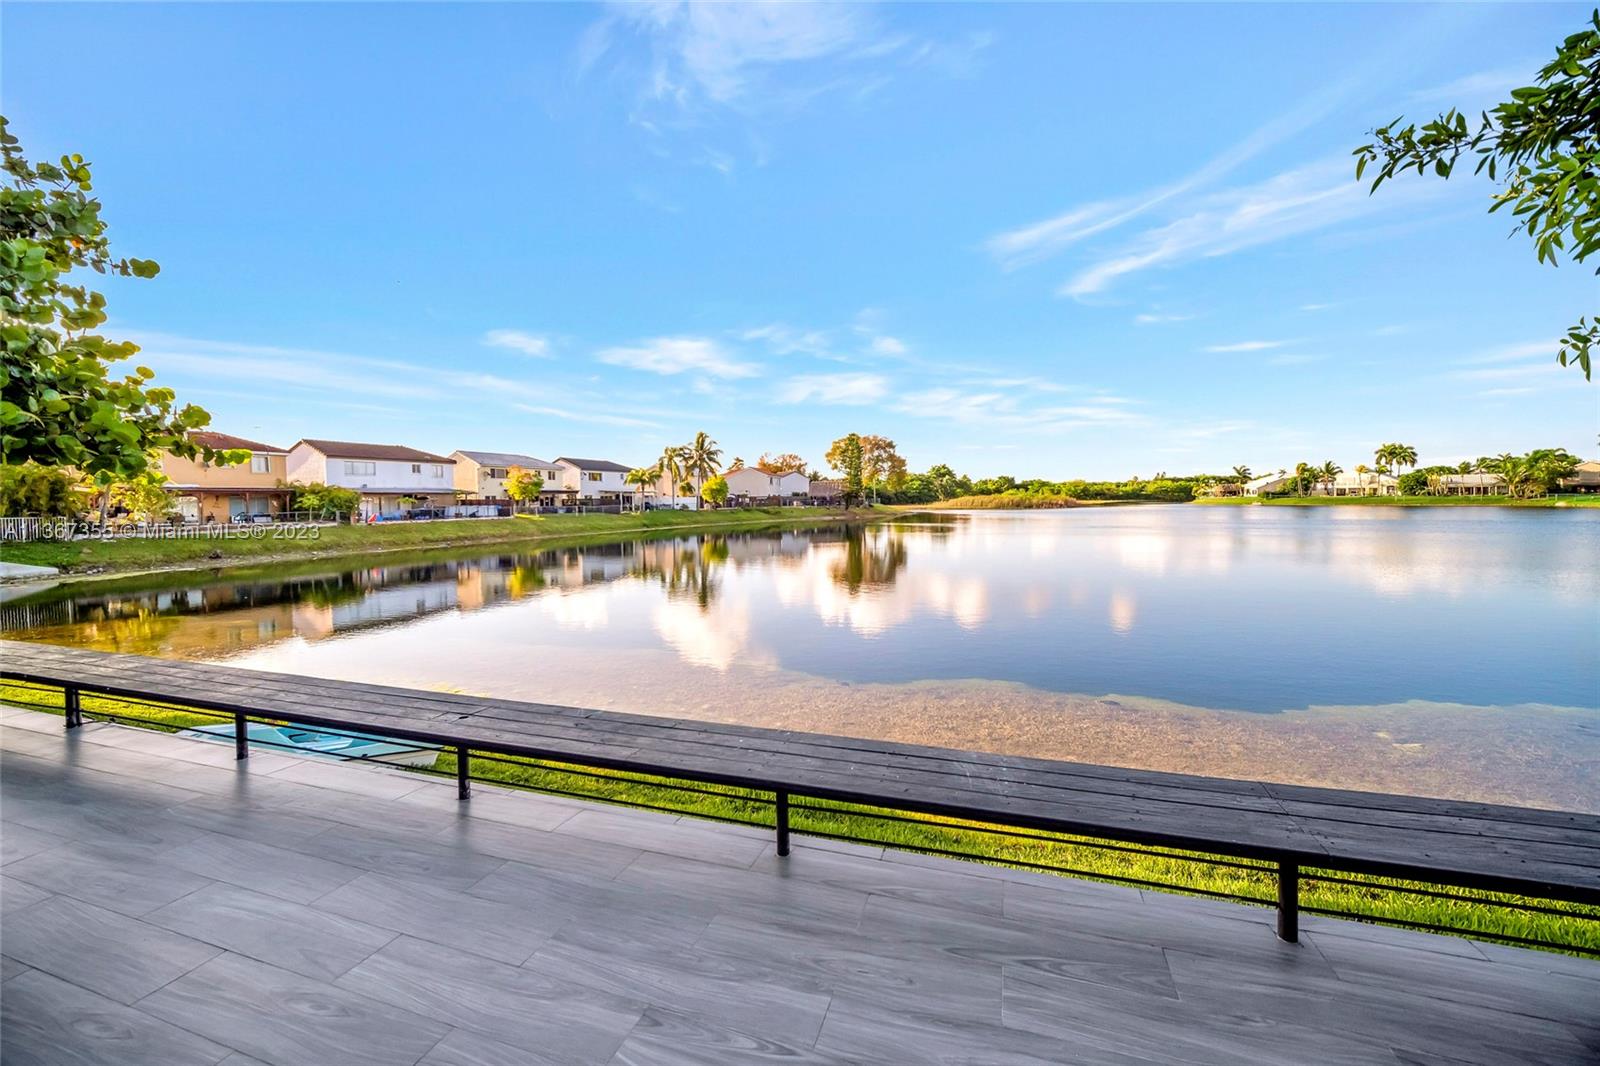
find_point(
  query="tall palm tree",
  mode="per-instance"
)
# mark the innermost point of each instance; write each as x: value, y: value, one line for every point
x: 1241, y: 477
x: 701, y: 459
x: 639, y: 477
x: 1403, y: 455
x: 670, y: 466
x: 1304, y: 474
x: 1328, y: 473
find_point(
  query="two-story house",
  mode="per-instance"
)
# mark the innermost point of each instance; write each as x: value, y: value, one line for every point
x: 595, y: 481
x: 482, y: 475
x: 207, y: 492
x: 753, y: 483
x: 391, y: 478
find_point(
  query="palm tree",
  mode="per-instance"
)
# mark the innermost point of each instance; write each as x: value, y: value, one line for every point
x: 1328, y: 473
x: 701, y: 459
x: 639, y: 477
x: 1241, y: 477
x: 1514, y: 470
x: 1403, y: 455
x: 670, y: 466
x: 1304, y: 473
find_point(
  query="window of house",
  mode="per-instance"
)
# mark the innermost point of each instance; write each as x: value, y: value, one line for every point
x: 416, y: 468
x: 499, y: 472
x: 594, y: 475
x: 358, y: 468
x: 436, y: 470
x: 260, y: 464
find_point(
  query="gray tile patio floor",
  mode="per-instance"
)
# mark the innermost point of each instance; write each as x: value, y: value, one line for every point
x: 163, y: 905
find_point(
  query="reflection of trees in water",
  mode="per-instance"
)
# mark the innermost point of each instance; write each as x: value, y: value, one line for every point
x: 687, y: 569
x: 873, y: 558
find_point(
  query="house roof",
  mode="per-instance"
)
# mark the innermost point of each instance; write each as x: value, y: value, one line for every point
x: 594, y: 464
x: 500, y: 458
x: 227, y: 440
x: 345, y: 449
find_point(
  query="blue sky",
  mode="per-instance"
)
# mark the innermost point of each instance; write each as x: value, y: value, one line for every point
x: 1037, y: 239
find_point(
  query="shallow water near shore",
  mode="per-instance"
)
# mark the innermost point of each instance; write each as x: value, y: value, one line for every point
x: 1449, y: 653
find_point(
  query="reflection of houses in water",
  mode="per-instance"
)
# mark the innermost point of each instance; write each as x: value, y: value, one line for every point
x: 231, y: 617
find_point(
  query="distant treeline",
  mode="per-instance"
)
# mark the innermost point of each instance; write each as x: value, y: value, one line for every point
x: 941, y: 484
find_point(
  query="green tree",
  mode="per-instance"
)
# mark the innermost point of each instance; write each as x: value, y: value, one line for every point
x: 523, y: 486
x: 639, y: 477
x: 144, y: 495
x: 846, y: 456
x: 60, y: 405
x: 670, y: 467
x: 701, y: 459
x: 324, y: 501
x: 715, y: 491
x: 1543, y: 144
x: 46, y: 491
x: 1328, y: 473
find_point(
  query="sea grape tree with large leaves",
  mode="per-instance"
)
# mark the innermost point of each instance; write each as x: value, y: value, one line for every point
x: 60, y: 404
x: 1543, y: 143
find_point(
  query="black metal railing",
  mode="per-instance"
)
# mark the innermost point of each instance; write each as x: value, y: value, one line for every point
x: 1489, y: 915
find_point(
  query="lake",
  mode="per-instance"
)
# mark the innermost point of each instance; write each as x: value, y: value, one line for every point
x: 1445, y: 651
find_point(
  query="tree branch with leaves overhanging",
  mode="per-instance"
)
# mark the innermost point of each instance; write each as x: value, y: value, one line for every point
x: 1543, y: 145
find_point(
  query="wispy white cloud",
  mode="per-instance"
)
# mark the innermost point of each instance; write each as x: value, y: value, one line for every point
x: 782, y: 339
x: 840, y: 389
x: 1044, y: 239
x: 587, y: 415
x: 1156, y: 318
x: 1002, y: 409
x: 678, y: 355
x: 1291, y: 203
x: 1245, y: 346
x: 531, y: 344
x: 1315, y: 307
x: 886, y: 345
x: 1471, y: 90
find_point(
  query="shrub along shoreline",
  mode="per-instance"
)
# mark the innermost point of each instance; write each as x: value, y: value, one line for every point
x: 260, y: 545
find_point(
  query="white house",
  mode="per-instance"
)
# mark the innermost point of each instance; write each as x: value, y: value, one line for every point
x: 595, y: 481
x: 753, y: 483
x: 384, y: 474
x: 1370, y: 483
x: 1268, y: 484
x: 1481, y: 484
x: 483, y: 474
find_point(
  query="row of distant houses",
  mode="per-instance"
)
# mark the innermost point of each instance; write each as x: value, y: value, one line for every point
x: 1586, y: 478
x: 394, y: 479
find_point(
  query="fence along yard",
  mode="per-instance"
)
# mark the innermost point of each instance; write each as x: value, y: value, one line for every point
x: 1549, y: 861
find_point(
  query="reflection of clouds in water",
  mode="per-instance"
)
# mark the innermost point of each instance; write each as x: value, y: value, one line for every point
x: 1124, y: 610
x: 707, y: 638
x: 584, y: 610
x: 1148, y: 553
x: 871, y: 609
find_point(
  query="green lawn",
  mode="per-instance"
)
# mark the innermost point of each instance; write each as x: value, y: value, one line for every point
x: 1588, y: 500
x: 138, y: 554
x: 1483, y: 914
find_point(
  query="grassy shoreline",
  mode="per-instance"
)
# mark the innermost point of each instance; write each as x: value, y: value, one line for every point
x: 1547, y: 502
x: 1485, y: 914
x: 128, y: 555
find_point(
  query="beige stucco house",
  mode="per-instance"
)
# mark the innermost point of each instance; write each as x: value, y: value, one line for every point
x: 207, y: 492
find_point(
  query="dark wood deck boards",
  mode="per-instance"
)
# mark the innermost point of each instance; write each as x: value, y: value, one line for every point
x: 1548, y: 853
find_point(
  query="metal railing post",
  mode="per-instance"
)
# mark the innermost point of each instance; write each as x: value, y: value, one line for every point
x: 782, y: 811
x: 241, y: 737
x: 72, y: 703
x: 1289, y: 902
x: 463, y: 772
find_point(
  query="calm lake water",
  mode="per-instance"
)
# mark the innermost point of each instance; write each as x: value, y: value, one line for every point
x: 1262, y: 641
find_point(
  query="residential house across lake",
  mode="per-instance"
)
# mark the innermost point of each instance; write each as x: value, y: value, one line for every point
x: 391, y: 478
x: 1585, y: 478
x: 753, y: 483
x: 482, y: 476
x: 596, y: 482
x: 1357, y: 483
x: 207, y: 492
